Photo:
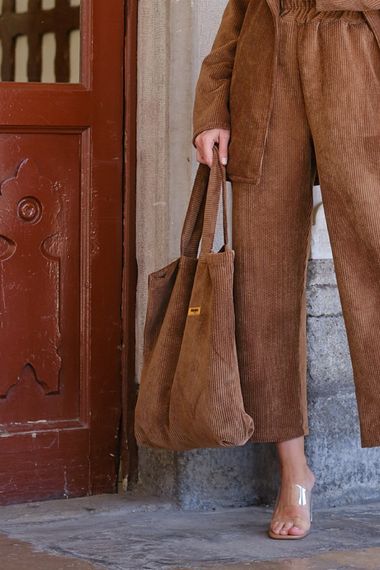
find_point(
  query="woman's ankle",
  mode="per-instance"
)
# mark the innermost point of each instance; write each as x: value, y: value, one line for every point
x: 298, y: 472
x: 292, y: 460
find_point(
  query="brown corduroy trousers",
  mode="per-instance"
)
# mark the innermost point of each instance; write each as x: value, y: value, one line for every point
x: 327, y: 111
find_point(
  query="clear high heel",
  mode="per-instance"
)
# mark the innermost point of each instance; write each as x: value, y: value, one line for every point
x: 296, y: 496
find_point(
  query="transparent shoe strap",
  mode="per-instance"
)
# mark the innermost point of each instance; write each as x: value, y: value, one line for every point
x: 297, y: 495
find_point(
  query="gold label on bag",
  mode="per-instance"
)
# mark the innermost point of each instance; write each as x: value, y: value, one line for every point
x: 194, y: 311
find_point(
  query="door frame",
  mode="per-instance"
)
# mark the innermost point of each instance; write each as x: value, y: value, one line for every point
x: 128, y: 447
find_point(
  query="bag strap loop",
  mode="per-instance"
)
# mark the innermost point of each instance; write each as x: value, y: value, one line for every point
x: 217, y: 182
x: 205, y: 197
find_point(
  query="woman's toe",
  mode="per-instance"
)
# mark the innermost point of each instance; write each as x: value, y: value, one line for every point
x: 286, y: 527
x: 296, y: 530
x: 277, y: 526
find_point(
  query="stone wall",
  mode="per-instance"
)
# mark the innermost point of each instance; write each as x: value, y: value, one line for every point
x: 174, y: 36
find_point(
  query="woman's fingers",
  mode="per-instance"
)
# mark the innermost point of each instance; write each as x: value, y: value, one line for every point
x: 205, y: 142
x: 204, y: 152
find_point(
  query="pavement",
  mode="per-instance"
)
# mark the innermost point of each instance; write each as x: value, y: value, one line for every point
x: 121, y: 532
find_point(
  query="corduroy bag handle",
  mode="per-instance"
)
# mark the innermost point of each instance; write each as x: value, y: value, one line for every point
x: 217, y: 181
x: 207, y: 181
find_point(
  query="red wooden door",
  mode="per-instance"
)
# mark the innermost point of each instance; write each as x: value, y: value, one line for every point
x: 60, y: 272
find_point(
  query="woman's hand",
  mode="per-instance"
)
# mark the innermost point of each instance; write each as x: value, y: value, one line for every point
x: 205, y: 142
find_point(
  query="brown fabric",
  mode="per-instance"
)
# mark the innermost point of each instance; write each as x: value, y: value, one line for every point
x: 327, y: 61
x: 190, y: 394
x: 237, y: 78
x: 360, y: 5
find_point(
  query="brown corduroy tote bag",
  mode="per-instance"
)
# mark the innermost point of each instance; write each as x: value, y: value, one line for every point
x: 190, y: 392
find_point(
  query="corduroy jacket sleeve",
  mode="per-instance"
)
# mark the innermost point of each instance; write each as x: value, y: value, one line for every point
x: 360, y: 5
x: 211, y: 101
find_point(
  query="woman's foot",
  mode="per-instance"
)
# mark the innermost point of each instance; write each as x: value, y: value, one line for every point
x: 291, y: 515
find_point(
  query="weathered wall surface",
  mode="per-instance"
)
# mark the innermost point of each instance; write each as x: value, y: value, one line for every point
x: 174, y: 36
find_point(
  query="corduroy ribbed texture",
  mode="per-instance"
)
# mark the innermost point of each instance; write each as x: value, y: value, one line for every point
x: 236, y: 82
x: 211, y: 109
x: 347, y: 5
x: 190, y: 392
x: 326, y: 108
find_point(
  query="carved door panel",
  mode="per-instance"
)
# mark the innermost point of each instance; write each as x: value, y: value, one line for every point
x: 61, y: 270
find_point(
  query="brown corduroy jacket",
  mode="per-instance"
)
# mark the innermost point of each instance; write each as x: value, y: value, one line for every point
x: 236, y: 80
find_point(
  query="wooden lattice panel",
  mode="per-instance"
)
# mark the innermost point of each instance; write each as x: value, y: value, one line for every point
x: 34, y: 24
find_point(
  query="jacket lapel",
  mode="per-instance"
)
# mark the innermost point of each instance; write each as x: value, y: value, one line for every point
x: 373, y: 19
x: 274, y: 6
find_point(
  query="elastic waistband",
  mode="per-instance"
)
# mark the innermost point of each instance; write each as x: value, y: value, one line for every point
x: 305, y: 11
x: 297, y: 3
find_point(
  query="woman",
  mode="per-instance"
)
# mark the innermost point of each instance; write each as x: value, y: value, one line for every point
x: 286, y: 89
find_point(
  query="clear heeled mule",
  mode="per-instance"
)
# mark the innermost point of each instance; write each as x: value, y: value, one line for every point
x: 296, y: 506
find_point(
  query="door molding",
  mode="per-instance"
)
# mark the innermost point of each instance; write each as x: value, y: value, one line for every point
x: 128, y: 447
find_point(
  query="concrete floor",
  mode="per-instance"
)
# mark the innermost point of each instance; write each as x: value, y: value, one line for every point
x: 117, y: 532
